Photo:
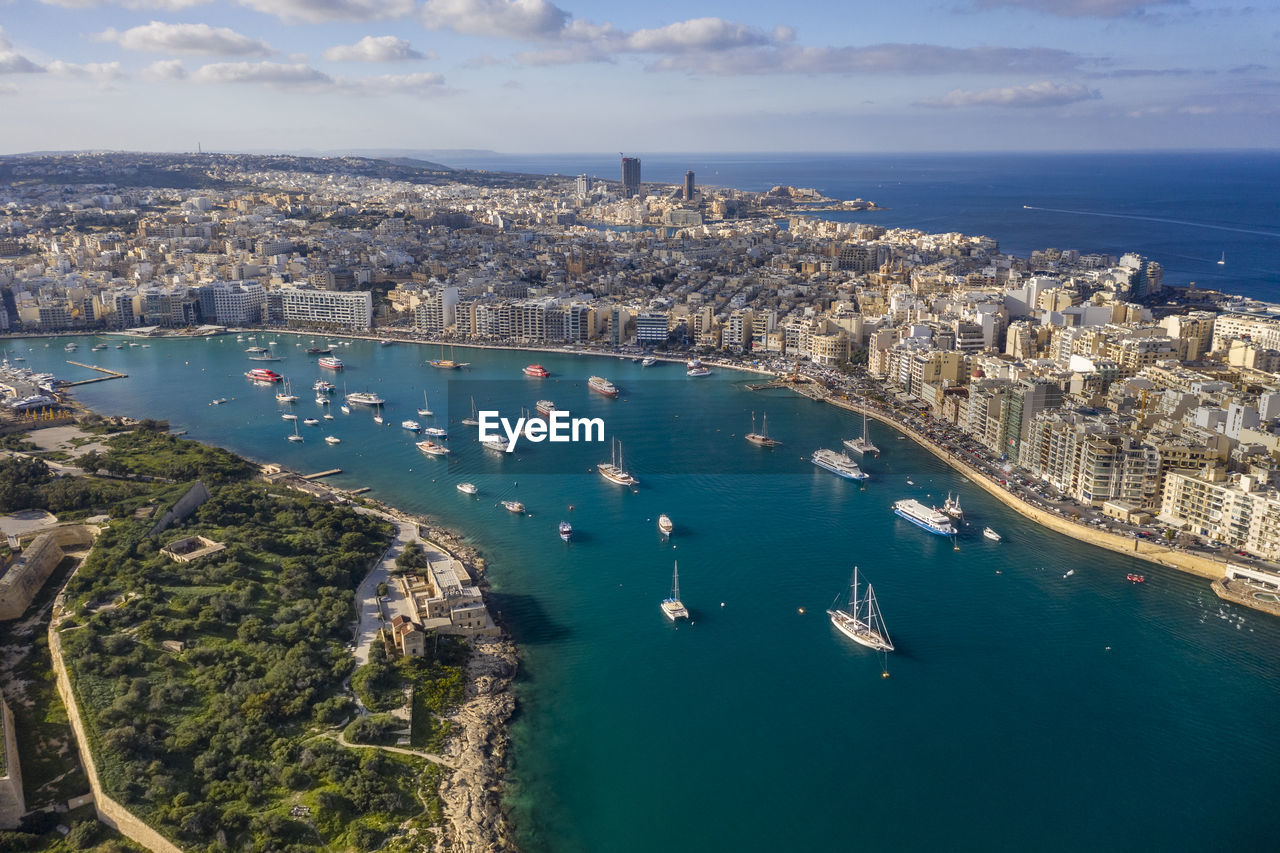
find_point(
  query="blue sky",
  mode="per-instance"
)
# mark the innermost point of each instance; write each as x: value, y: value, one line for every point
x: 706, y: 75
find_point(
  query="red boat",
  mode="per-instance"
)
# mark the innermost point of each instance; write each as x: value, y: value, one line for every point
x: 1137, y: 578
x: 536, y: 370
x: 261, y: 374
x: 330, y: 361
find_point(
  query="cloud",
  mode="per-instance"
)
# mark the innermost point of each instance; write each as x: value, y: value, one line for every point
x: 167, y: 5
x: 165, y: 69
x: 105, y: 71
x: 374, y: 49
x: 158, y: 37
x: 1042, y: 94
x: 8, y: 89
x: 262, y: 73
x: 518, y: 19
x: 698, y: 34
x: 12, y: 62
x: 1081, y: 8
x: 423, y: 84
x: 911, y: 59
x: 321, y: 11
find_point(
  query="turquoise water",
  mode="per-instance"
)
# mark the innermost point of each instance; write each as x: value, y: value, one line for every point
x: 1024, y: 709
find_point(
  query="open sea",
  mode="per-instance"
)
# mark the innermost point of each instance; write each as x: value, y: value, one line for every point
x: 1025, y: 708
x: 1187, y: 210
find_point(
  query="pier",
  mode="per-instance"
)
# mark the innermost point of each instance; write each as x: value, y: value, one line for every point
x: 360, y: 491
x: 319, y: 474
x: 111, y: 374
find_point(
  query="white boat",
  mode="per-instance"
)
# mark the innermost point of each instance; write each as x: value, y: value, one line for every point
x: 648, y: 361
x: 218, y: 402
x: 289, y: 416
x: 861, y: 622
x: 862, y: 444
x: 566, y: 530
x: 991, y: 534
x: 311, y: 422
x: 664, y: 524
x: 613, y: 470
x: 425, y: 411
x: 1222, y: 261
x: 602, y: 386
x: 695, y: 367
x: 322, y: 401
x: 436, y: 431
x: 474, y: 420
x: 513, y: 506
x: 328, y: 417
x: 761, y: 439
x: 377, y: 419
x: 295, y: 437
x: 494, y: 444
x: 431, y: 448
x: 545, y: 408
x: 951, y: 506
x: 922, y: 516
x: 346, y: 410
x: 411, y: 425
x: 364, y: 398
x: 286, y: 395
x: 332, y: 439
x: 468, y: 488
x: 673, y: 608
x: 324, y: 386
x: 839, y: 464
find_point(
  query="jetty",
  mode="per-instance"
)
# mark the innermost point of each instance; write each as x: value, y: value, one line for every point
x: 110, y: 374
x: 319, y: 474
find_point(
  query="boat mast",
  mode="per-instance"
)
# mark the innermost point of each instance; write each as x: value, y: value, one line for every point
x: 675, y: 582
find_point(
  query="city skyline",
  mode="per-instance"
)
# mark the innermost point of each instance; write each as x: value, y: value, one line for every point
x: 533, y: 76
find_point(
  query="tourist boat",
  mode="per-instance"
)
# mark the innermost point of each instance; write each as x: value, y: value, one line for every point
x: 288, y: 416
x: 364, y: 398
x: 432, y: 448
x: 513, y: 506
x: 346, y: 410
x: 761, y: 439
x: 311, y: 422
x: 318, y: 350
x: 536, y: 370
x: 218, y: 402
x: 468, y: 488
x: 566, y: 530
x: 613, y: 471
x: 991, y: 534
x: 1136, y: 578
x: 862, y: 444
x: 411, y: 425
x: 673, y: 608
x: 861, y: 622
x: 445, y: 363
x: 648, y: 361
x: 295, y: 437
x: 664, y: 524
x: 332, y: 362
x: 602, y: 386
x: 332, y: 439
x: 951, y: 506
x: 922, y: 516
x: 839, y: 464
x: 436, y: 431
x: 261, y: 374
x: 474, y: 420
x: 695, y: 367
x: 545, y: 408
x: 324, y: 386
x: 425, y: 411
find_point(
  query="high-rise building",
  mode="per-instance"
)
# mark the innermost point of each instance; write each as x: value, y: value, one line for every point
x: 583, y: 190
x: 630, y: 177
x: 688, y: 186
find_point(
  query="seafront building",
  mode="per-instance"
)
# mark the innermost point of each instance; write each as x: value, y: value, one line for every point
x: 1083, y: 371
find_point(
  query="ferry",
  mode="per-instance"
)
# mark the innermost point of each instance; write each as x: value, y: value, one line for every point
x: 545, y: 408
x: 566, y: 530
x: 364, y: 398
x: 839, y: 464
x: 536, y: 370
x: 411, y: 425
x: 1136, y: 578
x: 922, y: 516
x: 468, y: 488
x: 665, y: 526
x: 513, y: 506
x: 438, y: 431
x: 262, y: 374
x: 330, y: 361
x: 991, y: 534
x: 602, y: 386
x: 431, y: 448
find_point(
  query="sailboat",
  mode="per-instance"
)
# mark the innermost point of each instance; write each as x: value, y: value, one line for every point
x: 613, y: 470
x: 761, y: 438
x: 445, y: 363
x: 266, y: 355
x: 862, y: 444
x: 425, y: 411
x: 862, y: 622
x: 474, y: 420
x: 1222, y: 261
x: 673, y: 608
x: 296, y: 437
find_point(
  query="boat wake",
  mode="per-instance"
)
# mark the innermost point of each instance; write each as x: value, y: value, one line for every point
x: 1153, y: 219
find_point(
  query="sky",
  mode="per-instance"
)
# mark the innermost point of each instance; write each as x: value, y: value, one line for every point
x: 536, y: 76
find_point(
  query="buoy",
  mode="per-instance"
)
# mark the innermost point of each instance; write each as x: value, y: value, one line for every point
x: 722, y: 604
x: 884, y: 674
x: 801, y: 611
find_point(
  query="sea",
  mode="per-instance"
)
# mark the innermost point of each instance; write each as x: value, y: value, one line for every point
x: 1036, y: 699
x: 1186, y: 210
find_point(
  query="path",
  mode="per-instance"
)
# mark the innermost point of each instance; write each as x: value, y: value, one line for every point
x: 341, y: 738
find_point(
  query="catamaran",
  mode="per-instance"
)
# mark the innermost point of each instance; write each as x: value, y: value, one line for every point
x: 862, y: 622
x: 673, y: 608
x: 474, y: 420
x: 613, y: 470
x: 862, y: 444
x: 425, y: 411
x: 761, y: 439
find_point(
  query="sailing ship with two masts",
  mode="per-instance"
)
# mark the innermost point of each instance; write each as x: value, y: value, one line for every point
x: 861, y: 621
x: 761, y: 439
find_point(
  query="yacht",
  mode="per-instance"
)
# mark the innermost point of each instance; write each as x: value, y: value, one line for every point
x: 288, y: 416
x: 545, y: 408
x: 664, y: 524
x: 474, y: 420
x: 436, y: 431
x: 602, y: 386
x: 322, y: 401
x: 951, y: 506
x: 613, y: 470
x: 324, y: 386
x: 536, y: 370
x: 311, y: 422
x: 364, y: 398
x: 839, y: 464
x: 991, y: 534
x: 332, y: 439
x: 862, y: 444
x: 328, y: 417
x: 256, y: 350
x: 411, y: 425
x: 494, y: 444
x: 218, y: 402
x: 861, y: 622
x: 673, y: 608
x: 468, y: 488
x: 431, y: 448
x: 920, y: 515
x: 72, y: 347
x: 286, y: 395
x: 695, y: 367
x: 445, y: 363
x: 513, y: 506
x: 295, y: 437
x: 377, y: 418
x: 761, y: 439
x: 648, y: 361
x: 425, y: 411
x: 346, y: 410
x: 566, y: 530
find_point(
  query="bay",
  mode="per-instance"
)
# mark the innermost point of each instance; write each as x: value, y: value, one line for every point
x: 1024, y: 709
